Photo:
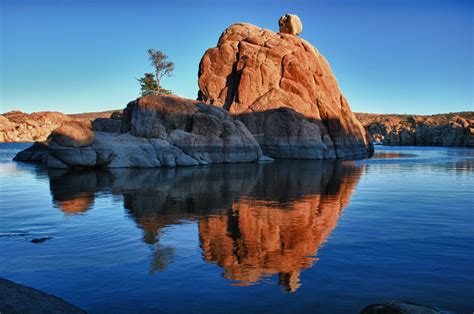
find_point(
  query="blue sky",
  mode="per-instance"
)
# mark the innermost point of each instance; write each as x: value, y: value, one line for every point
x: 78, y: 56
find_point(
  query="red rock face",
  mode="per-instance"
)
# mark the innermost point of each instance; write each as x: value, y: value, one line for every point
x: 254, y: 70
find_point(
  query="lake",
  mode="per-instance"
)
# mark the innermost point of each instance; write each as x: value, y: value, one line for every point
x: 287, y: 236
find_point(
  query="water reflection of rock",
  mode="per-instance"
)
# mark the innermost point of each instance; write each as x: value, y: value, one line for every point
x: 255, y: 220
x: 74, y: 192
x: 279, y: 227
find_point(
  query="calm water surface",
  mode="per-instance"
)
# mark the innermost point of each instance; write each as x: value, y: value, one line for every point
x: 287, y: 236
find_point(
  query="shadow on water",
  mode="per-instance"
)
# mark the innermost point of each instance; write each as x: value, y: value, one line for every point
x: 254, y: 220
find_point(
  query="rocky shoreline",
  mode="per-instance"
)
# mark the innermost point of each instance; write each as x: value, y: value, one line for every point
x: 449, y: 129
x: 446, y: 129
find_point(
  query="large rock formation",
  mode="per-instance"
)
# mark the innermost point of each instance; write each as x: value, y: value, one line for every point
x: 154, y: 131
x: 255, y: 72
x: 451, y: 129
x: 280, y: 90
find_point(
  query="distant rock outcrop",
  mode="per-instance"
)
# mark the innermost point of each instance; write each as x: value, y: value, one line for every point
x: 17, y: 126
x: 283, y: 90
x: 452, y: 129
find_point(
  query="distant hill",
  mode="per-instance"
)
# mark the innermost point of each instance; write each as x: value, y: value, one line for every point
x: 17, y: 126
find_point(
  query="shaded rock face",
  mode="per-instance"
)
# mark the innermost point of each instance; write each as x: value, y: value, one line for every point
x: 254, y: 220
x: 206, y: 133
x: 16, y: 298
x: 453, y: 129
x: 154, y: 131
x: 255, y: 71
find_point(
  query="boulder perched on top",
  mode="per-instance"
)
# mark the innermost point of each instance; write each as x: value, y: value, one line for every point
x: 253, y: 72
x: 290, y: 24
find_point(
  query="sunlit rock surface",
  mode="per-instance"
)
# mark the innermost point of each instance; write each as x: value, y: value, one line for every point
x: 253, y: 72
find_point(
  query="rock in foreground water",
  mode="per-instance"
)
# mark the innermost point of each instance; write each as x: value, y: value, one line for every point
x: 15, y: 298
x: 253, y: 72
x: 399, y: 308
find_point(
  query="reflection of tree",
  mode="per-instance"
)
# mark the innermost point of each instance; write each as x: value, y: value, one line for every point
x: 162, y: 257
x: 255, y: 220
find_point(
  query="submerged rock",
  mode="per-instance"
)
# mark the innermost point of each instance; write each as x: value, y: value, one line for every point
x: 253, y: 72
x: 15, y: 298
x: 40, y: 240
x: 399, y: 308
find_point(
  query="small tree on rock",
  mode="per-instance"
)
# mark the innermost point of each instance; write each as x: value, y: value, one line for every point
x: 162, y: 66
x: 148, y: 85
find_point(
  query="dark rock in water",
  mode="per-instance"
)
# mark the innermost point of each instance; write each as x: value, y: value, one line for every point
x: 16, y: 298
x: 40, y: 240
x: 38, y: 152
x: 399, y: 308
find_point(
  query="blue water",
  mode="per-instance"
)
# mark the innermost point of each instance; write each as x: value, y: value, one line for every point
x: 287, y: 236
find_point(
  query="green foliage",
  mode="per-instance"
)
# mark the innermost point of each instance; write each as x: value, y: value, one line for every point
x: 149, y: 86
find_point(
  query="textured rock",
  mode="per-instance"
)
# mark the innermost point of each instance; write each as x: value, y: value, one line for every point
x: 154, y: 131
x: 16, y: 298
x: 453, y: 129
x: 290, y: 24
x: 38, y: 152
x: 253, y: 72
x: 107, y: 125
x: 73, y: 134
x: 17, y: 126
x: 206, y: 133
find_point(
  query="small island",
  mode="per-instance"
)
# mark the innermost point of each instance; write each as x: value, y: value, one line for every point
x: 262, y: 95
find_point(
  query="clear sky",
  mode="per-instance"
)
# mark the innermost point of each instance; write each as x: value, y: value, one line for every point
x: 403, y: 56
